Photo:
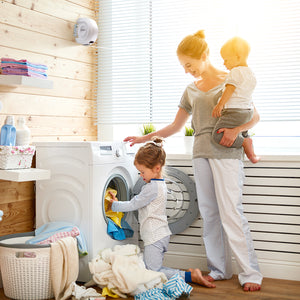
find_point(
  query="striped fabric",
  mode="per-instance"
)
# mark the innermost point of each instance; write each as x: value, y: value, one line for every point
x: 171, y: 290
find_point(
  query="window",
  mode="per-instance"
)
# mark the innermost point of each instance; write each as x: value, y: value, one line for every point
x: 140, y: 79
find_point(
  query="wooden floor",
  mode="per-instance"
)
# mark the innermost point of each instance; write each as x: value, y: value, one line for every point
x: 230, y: 290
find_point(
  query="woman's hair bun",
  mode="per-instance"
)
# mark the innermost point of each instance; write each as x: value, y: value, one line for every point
x: 200, y: 34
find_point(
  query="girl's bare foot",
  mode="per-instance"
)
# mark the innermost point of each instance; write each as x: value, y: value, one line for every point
x: 249, y: 151
x: 251, y: 287
x: 208, y: 278
x: 198, y: 278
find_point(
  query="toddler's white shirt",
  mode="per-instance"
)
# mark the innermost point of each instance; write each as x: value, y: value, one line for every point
x: 244, y: 80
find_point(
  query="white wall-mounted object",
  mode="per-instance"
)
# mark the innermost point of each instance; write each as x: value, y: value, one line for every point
x: 21, y: 175
x: 26, y: 81
x: 85, y: 31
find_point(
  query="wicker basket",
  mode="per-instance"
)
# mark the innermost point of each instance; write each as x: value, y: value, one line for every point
x: 16, y: 157
x: 25, y: 268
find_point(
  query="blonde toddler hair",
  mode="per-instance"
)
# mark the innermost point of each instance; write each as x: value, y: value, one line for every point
x: 236, y: 46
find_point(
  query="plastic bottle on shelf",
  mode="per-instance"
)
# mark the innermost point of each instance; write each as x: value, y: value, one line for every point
x: 8, y: 132
x: 23, y: 133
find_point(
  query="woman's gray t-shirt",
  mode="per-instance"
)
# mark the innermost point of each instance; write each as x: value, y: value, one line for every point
x: 200, y: 105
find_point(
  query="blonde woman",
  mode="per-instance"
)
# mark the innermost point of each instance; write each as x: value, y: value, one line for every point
x: 218, y: 170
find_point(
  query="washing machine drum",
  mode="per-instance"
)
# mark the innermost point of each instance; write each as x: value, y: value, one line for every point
x: 182, y: 208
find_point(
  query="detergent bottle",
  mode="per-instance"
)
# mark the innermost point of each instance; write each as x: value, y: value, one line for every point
x: 8, y: 132
x: 23, y: 133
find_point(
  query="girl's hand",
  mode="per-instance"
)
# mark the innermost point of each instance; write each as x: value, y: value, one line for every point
x: 229, y: 136
x: 113, y: 197
x: 217, y: 111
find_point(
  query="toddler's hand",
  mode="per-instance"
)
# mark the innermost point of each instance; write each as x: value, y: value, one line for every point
x: 217, y: 111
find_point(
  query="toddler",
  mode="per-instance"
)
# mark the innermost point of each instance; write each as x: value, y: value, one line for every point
x: 151, y: 206
x: 235, y: 106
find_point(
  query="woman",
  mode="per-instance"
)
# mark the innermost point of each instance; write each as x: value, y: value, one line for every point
x: 218, y: 169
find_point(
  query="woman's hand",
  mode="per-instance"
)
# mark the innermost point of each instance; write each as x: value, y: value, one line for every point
x: 135, y: 140
x: 229, y: 136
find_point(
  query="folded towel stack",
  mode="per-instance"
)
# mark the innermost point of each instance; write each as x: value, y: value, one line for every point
x: 22, y: 67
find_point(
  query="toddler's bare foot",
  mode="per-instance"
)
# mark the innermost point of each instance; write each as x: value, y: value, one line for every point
x: 198, y: 278
x: 249, y: 151
x: 251, y: 287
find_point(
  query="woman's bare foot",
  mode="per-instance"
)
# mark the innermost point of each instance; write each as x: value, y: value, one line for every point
x: 198, y: 278
x: 249, y: 151
x: 251, y: 287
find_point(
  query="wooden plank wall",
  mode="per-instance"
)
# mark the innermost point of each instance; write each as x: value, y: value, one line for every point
x: 42, y: 32
x: 271, y: 198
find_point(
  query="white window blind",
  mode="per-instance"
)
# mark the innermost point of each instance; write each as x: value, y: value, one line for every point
x: 140, y: 79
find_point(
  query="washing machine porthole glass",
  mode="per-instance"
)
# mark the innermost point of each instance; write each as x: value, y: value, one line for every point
x: 182, y: 208
x: 118, y: 183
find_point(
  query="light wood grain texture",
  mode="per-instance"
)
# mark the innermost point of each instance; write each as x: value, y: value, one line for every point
x: 272, y: 289
x: 42, y: 32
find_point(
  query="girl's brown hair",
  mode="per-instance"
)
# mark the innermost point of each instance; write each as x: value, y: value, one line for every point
x: 193, y: 45
x: 151, y: 154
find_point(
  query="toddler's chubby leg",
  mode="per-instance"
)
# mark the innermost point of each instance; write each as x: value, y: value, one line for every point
x: 249, y: 151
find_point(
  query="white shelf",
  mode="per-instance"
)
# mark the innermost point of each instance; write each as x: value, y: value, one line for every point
x: 26, y: 81
x: 21, y: 175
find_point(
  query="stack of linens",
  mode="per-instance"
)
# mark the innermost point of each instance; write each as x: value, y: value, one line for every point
x: 22, y: 67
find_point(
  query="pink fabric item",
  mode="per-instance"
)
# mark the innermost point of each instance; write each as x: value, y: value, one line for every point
x: 60, y: 235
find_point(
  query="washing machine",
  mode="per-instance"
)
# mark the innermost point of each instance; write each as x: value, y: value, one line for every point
x: 81, y: 172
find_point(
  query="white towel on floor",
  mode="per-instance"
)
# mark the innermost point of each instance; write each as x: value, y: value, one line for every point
x: 64, y: 266
x: 123, y: 271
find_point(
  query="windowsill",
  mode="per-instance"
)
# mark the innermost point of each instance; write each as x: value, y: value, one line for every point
x: 268, y: 148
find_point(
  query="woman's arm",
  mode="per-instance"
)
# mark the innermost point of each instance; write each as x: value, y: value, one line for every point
x: 179, y: 121
x: 230, y: 134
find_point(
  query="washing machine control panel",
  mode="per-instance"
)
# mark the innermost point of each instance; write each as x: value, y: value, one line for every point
x: 111, y: 150
x: 105, y: 150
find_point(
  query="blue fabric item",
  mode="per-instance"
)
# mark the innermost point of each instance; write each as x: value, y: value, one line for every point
x: 171, y: 290
x: 48, y: 229
x: 118, y: 233
x: 114, y: 231
x: 188, y: 277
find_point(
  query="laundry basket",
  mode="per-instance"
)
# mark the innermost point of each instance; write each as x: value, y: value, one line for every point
x: 25, y: 268
x: 16, y: 157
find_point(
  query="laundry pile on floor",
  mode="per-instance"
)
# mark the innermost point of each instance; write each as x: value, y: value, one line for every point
x: 117, y: 227
x: 121, y: 271
x: 10, y: 66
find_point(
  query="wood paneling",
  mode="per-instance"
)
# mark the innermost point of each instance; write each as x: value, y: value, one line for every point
x: 41, y: 31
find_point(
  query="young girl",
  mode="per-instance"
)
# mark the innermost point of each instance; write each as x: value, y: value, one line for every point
x: 151, y: 205
x: 235, y: 107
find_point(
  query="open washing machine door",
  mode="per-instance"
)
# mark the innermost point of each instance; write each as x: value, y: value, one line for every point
x: 182, y: 208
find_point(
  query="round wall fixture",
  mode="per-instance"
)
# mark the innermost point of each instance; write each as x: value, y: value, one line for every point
x: 85, y: 31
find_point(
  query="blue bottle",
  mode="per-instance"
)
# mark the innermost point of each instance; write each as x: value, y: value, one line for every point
x: 8, y: 132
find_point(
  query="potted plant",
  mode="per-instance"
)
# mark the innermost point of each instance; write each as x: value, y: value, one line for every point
x: 147, y: 128
x: 189, y: 131
x: 188, y: 139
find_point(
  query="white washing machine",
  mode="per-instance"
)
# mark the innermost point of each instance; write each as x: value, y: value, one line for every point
x: 80, y: 174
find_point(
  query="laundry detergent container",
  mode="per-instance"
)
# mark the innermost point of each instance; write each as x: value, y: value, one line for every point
x: 25, y: 268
